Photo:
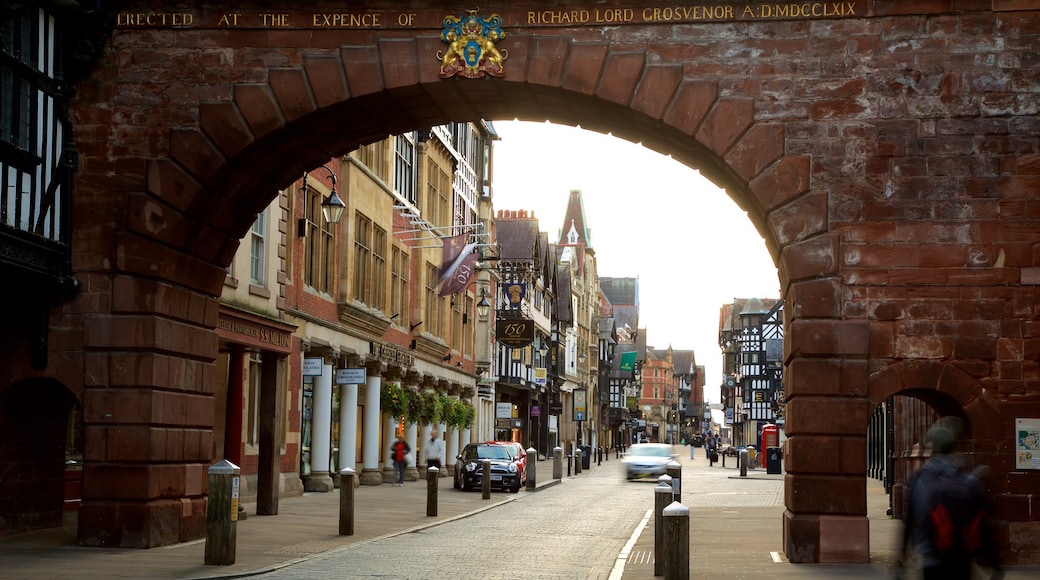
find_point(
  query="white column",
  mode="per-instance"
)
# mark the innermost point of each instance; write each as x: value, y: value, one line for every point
x: 451, y: 447
x: 464, y: 437
x: 348, y: 426
x: 389, y: 435
x: 443, y: 430
x: 370, y: 433
x: 410, y: 435
x: 321, y: 433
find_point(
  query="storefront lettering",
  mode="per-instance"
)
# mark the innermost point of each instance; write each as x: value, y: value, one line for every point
x: 384, y: 19
x: 259, y: 334
x: 390, y: 354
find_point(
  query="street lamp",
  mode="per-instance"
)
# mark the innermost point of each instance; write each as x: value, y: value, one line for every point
x: 483, y: 307
x: 332, y: 206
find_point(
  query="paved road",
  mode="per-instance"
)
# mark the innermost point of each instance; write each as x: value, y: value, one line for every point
x: 575, y: 530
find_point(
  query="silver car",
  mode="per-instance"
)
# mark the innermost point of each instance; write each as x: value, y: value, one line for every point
x: 647, y: 460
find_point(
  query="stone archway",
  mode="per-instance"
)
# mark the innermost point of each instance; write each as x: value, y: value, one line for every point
x: 893, y: 178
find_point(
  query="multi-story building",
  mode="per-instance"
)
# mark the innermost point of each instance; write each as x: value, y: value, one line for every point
x: 751, y: 338
x: 523, y: 389
x: 619, y: 304
x: 581, y: 339
x: 337, y: 337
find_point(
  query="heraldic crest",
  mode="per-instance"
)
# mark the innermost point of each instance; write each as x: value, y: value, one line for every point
x: 471, y: 49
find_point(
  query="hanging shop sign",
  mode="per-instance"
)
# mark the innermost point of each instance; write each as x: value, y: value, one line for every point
x: 515, y: 332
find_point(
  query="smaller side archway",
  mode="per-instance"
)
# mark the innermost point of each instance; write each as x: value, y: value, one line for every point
x: 39, y: 435
x: 919, y: 394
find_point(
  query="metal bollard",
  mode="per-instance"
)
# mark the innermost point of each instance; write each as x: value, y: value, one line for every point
x: 577, y: 461
x: 743, y: 462
x: 557, y: 463
x: 485, y: 478
x: 431, y: 490
x: 676, y: 548
x: 346, y: 502
x: 599, y: 456
x: 222, y: 514
x: 723, y: 459
x: 674, y: 470
x: 662, y: 498
x: 532, y: 468
x: 570, y: 460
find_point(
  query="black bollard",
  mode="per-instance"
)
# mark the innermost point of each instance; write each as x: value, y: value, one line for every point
x: 676, y: 546
x: 485, y: 478
x: 662, y: 498
x: 674, y: 470
x: 570, y: 459
x: 532, y: 469
x: 346, y: 502
x: 431, y: 490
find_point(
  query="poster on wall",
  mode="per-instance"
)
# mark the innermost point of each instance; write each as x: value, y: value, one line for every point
x: 1027, y: 443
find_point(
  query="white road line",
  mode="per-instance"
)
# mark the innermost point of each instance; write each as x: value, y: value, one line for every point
x: 619, y: 564
x: 776, y: 557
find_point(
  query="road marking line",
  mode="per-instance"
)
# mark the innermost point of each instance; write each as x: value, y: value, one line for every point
x: 776, y: 557
x: 619, y: 564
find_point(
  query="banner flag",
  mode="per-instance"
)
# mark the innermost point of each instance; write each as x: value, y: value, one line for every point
x: 628, y: 361
x: 458, y: 264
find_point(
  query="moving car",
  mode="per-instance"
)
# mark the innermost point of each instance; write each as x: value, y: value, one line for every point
x: 505, y: 469
x: 647, y: 460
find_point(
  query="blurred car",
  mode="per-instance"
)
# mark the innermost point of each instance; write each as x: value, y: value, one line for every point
x: 505, y: 469
x: 521, y: 458
x: 647, y: 460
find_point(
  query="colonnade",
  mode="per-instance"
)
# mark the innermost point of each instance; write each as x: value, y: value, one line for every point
x: 376, y: 434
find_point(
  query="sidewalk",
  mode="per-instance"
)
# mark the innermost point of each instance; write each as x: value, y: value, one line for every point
x: 305, y: 526
x: 738, y: 534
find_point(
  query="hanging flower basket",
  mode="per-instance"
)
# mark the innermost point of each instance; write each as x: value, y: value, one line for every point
x: 449, y: 414
x: 467, y: 415
x: 429, y: 407
x: 393, y: 399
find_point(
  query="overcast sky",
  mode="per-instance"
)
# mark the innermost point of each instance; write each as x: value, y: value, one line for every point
x: 650, y: 217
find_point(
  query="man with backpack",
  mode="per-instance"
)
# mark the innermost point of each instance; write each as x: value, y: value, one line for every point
x: 946, y: 520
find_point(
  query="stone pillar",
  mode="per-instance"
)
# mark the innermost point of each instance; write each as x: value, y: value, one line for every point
x: 451, y: 446
x: 442, y: 429
x: 389, y: 434
x: 410, y: 435
x: 370, y: 474
x: 233, y: 410
x: 272, y: 412
x: 465, y: 436
x: 319, y: 478
x: 348, y: 395
x: 826, y: 517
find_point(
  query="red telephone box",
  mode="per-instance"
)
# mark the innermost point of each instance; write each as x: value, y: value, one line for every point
x: 770, y: 438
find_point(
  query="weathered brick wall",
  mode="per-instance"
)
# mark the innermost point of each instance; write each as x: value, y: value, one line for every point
x: 890, y: 159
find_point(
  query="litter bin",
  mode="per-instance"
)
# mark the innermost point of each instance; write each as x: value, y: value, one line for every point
x: 586, y: 456
x: 772, y: 460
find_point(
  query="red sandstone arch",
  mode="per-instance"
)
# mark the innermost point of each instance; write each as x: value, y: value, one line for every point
x: 837, y: 139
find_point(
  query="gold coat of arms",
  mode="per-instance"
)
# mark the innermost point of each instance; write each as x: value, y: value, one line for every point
x: 471, y: 49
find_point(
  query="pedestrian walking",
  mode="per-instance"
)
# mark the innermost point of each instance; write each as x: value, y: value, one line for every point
x: 432, y: 451
x: 692, y: 446
x: 947, y: 521
x: 399, y: 452
x: 712, y: 451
